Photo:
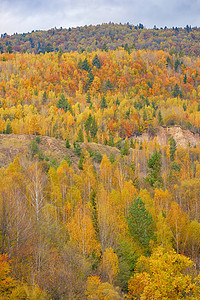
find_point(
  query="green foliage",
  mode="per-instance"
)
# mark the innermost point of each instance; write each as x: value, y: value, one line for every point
x: 175, y: 166
x: 9, y: 128
x: 80, y: 138
x: 80, y: 164
x: 91, y: 127
x: 127, y: 256
x: 104, y: 47
x: 88, y: 99
x: 94, y: 211
x: 103, y: 103
x: 84, y: 65
x: 96, y: 62
x: 9, y: 49
x: 33, y: 148
x: 96, y: 156
x: 154, y: 169
x: 105, y: 141
x: 141, y: 224
x: 63, y: 103
x: 54, y: 162
x: 38, y: 140
x: 77, y: 149
x: 112, y: 158
x: 67, y: 144
x: 68, y: 159
x: 176, y: 65
x: 111, y: 142
x: 172, y: 148
x: 177, y: 92
x: 185, y: 79
x: 44, y: 97
x: 159, y: 117
x: 125, y: 148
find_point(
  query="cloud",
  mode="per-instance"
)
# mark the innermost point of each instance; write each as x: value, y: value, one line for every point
x: 27, y: 15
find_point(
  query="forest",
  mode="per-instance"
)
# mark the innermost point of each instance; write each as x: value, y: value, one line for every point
x: 106, y: 36
x: 119, y: 216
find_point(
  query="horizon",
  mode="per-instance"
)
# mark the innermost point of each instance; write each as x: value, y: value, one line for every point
x: 27, y: 15
x: 104, y: 23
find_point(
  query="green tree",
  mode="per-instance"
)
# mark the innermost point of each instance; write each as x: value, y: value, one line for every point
x: 63, y: 103
x: 141, y: 224
x: 103, y: 103
x: 77, y: 149
x: 85, y: 65
x: 67, y: 144
x: 125, y: 148
x: 176, y: 92
x: 9, y: 49
x: 172, y: 148
x: 185, y: 79
x: 80, y: 164
x: 80, y: 138
x: 88, y: 99
x: 176, y: 65
x: 154, y: 169
x: 104, y: 47
x: 91, y: 126
x: 159, y: 117
x: 96, y: 62
x: 8, y: 128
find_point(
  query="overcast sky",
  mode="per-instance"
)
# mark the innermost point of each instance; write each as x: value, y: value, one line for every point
x: 27, y: 15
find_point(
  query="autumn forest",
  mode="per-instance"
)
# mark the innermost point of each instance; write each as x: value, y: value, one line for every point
x: 117, y: 216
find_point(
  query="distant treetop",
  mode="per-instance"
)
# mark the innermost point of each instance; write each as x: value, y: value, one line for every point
x: 104, y: 37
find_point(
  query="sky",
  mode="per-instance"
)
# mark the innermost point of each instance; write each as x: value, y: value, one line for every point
x: 27, y: 15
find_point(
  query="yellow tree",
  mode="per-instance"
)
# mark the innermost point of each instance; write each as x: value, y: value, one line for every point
x: 177, y: 221
x: 163, y: 276
x: 82, y: 233
x: 110, y: 265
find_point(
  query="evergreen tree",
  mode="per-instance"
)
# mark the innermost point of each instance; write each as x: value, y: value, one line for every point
x: 94, y: 211
x: 141, y: 224
x: 67, y: 145
x: 77, y: 149
x: 94, y: 128
x: 185, y: 79
x: 85, y: 65
x: 172, y: 148
x: 91, y: 126
x: 80, y: 164
x: 111, y: 142
x: 103, y: 103
x: 154, y: 168
x: 88, y: 99
x: 8, y: 128
x: 176, y: 91
x: 159, y: 117
x: 80, y: 138
x: 63, y: 103
x: 96, y: 62
x: 176, y: 65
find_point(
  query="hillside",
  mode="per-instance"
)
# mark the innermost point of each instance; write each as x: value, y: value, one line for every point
x: 12, y: 145
x: 105, y: 36
x: 100, y: 164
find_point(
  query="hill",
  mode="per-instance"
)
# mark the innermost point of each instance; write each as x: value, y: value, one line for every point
x: 100, y: 163
x: 105, y: 36
x: 52, y: 149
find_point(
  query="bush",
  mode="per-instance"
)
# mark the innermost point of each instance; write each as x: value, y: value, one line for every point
x: 38, y: 140
x: 33, y: 148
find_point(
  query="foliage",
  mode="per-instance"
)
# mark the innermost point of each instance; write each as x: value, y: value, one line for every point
x: 162, y: 277
x: 141, y: 224
x: 154, y: 164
